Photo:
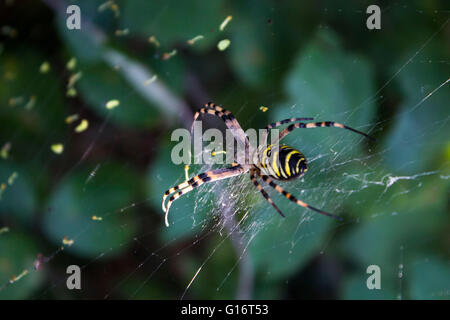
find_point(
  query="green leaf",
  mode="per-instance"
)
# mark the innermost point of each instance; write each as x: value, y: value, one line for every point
x: 81, y: 43
x: 283, y: 246
x: 17, y: 201
x: 251, y: 51
x: 107, y: 193
x: 38, y: 102
x: 429, y: 278
x: 415, y: 138
x: 191, y: 18
x: 18, y: 251
x: 408, y: 217
x: 100, y: 83
x: 218, y: 277
x: 422, y: 209
x: 329, y: 84
x: 263, y: 42
x: 355, y: 288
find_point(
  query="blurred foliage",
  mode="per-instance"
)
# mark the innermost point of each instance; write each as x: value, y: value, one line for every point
x: 107, y: 194
x: 298, y: 58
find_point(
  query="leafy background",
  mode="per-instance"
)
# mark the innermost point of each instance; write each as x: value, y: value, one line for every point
x: 316, y: 56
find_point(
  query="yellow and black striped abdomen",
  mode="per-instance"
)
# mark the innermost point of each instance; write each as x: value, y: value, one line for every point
x: 282, y: 162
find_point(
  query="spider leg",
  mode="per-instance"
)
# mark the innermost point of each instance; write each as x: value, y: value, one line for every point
x: 229, y: 120
x: 302, y: 125
x: 285, y: 121
x: 279, y: 123
x: 294, y: 199
x: 197, y: 181
x: 226, y: 116
x: 264, y: 193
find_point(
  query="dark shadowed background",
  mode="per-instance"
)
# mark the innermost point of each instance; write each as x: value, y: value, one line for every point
x: 92, y: 198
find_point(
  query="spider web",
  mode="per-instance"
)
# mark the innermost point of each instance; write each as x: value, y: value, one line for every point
x: 232, y: 236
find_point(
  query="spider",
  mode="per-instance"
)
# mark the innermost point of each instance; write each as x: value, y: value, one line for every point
x: 272, y: 162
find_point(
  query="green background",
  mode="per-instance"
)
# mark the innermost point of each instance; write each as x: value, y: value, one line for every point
x: 299, y: 59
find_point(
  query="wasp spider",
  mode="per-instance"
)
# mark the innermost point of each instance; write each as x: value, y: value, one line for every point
x: 273, y: 161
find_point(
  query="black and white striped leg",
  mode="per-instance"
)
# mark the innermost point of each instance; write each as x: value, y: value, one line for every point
x: 322, y: 124
x: 286, y: 121
x: 195, y: 182
x: 263, y: 192
x: 280, y: 123
x: 227, y: 117
x: 294, y: 199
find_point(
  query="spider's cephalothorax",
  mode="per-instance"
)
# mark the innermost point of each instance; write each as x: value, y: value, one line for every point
x: 275, y: 161
x: 282, y: 162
